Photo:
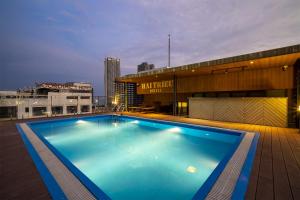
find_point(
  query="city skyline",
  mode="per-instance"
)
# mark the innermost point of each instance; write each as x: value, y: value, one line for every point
x: 68, y: 40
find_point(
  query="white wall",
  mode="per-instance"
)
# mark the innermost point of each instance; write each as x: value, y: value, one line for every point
x: 53, y: 99
x: 60, y: 99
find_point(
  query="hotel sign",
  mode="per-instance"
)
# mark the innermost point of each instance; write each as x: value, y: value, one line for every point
x: 156, y: 87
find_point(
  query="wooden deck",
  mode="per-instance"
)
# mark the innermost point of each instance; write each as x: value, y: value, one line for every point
x: 19, y: 179
x: 276, y: 169
x: 275, y: 173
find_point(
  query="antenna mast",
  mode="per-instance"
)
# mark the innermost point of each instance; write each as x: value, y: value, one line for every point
x: 169, y: 52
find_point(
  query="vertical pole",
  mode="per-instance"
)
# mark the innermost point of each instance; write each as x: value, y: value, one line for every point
x: 297, y: 77
x: 92, y: 101
x: 50, y: 111
x: 126, y: 96
x: 169, y: 51
x: 174, y: 95
x: 78, y: 105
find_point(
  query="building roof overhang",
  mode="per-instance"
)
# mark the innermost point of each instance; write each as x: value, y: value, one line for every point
x: 285, y: 56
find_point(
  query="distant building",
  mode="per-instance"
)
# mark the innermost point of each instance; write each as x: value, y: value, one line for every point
x: 126, y: 94
x: 145, y: 67
x: 47, y: 99
x: 111, y: 72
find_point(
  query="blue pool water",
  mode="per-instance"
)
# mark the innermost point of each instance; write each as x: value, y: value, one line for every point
x: 130, y: 158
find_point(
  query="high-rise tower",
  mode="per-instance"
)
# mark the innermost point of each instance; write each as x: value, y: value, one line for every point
x: 111, y: 72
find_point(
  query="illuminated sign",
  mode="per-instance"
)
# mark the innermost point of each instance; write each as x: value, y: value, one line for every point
x: 156, y: 86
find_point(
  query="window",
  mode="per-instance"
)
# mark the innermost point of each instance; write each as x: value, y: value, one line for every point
x: 72, y: 97
x: 38, y: 111
x: 27, y: 110
x: 182, y: 108
x: 276, y: 93
x: 11, y: 97
x: 8, y: 112
x: 56, y: 110
x: 85, y: 108
x: 223, y: 94
x: 85, y: 97
x: 210, y: 94
x: 42, y: 97
x: 71, y: 109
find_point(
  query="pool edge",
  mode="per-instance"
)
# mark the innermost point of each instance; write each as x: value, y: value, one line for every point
x: 241, y: 185
x: 244, y: 177
x: 67, y: 182
x: 52, y: 186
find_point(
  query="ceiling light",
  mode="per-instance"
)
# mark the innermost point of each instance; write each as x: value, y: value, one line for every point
x: 251, y: 62
x: 285, y: 67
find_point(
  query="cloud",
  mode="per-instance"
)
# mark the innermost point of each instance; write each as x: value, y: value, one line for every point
x: 68, y: 40
x: 51, y: 19
x: 35, y: 60
x: 213, y: 29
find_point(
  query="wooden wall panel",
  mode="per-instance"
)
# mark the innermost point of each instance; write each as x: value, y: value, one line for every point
x: 275, y: 111
x: 256, y: 110
x: 258, y: 79
x: 206, y: 106
x: 229, y: 109
x: 254, y: 105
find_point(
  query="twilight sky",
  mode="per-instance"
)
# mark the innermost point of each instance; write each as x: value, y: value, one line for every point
x: 67, y: 40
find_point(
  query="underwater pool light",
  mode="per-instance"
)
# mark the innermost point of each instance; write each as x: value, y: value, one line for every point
x: 191, y: 169
x: 80, y: 121
x: 135, y: 122
x: 174, y: 130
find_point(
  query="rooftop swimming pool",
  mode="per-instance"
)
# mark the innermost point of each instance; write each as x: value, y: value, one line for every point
x: 120, y: 157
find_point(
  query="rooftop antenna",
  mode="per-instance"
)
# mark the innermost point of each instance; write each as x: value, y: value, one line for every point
x: 169, y: 51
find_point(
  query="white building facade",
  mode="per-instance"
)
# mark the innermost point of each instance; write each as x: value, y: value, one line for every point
x: 47, y: 99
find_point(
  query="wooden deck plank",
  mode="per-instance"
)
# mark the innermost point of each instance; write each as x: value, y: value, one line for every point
x: 282, y: 189
x: 294, y: 141
x: 265, y: 178
x: 252, y: 186
x: 292, y: 167
x: 296, y: 147
x: 19, y: 179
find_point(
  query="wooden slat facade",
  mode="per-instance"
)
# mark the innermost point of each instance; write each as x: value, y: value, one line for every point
x: 242, y: 80
x: 255, y: 79
x: 250, y: 110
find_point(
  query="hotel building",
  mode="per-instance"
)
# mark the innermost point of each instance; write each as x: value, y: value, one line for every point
x: 111, y: 72
x: 47, y: 99
x: 255, y: 88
